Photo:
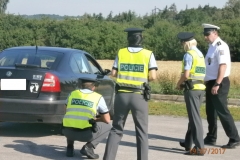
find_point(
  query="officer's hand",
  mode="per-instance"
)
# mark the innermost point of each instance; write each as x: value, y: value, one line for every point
x: 215, y: 90
x: 178, y: 87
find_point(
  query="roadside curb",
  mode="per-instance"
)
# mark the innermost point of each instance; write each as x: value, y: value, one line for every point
x: 180, y: 98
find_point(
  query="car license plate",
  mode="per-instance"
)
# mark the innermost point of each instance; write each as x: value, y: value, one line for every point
x: 13, y: 84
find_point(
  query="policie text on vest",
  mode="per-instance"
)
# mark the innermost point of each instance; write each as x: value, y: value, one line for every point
x: 132, y: 67
x: 82, y: 102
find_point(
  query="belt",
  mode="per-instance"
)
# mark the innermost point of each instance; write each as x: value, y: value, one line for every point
x: 130, y: 89
x: 197, y: 82
x: 77, y: 129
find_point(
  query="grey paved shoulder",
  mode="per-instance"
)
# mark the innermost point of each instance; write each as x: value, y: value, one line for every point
x: 36, y: 141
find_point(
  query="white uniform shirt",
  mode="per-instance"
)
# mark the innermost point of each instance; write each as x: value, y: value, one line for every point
x: 152, y: 63
x: 218, y: 53
x: 101, y: 106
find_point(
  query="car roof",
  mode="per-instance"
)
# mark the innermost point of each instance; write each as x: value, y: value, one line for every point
x: 56, y: 49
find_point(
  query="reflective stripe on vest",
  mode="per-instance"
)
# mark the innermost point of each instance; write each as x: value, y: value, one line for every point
x: 198, y: 69
x: 133, y: 78
x: 133, y: 68
x: 80, y: 108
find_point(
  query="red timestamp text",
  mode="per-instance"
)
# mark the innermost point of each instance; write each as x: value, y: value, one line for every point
x: 208, y: 150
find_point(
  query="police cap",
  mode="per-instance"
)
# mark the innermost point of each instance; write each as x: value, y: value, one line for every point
x: 185, y: 36
x: 209, y: 27
x: 87, y: 79
x: 132, y: 31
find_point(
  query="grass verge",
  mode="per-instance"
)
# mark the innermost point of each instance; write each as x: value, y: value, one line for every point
x: 179, y: 109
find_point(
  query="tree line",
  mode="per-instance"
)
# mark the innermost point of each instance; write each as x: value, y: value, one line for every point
x: 103, y: 36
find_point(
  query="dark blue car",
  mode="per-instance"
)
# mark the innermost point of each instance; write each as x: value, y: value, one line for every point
x: 43, y: 78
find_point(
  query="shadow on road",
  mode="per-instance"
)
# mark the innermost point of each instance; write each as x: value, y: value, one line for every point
x: 47, y: 151
x: 8, y: 129
x: 164, y: 149
x: 153, y: 136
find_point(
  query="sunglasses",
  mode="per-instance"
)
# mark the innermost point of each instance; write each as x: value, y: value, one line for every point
x: 206, y: 33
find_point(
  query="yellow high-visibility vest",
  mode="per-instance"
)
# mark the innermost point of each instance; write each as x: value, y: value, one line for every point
x: 132, y: 68
x: 80, y: 108
x: 197, y: 71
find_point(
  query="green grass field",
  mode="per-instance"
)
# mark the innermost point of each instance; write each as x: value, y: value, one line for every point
x: 168, y: 75
x: 179, y: 109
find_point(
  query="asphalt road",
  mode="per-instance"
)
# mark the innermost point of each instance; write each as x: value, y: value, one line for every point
x: 41, y: 142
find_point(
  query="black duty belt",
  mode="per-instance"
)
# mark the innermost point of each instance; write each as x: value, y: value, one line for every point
x: 130, y: 89
x: 77, y: 129
x: 197, y: 82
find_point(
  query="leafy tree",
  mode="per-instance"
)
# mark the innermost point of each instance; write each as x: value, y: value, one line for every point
x: 110, y: 16
x: 3, y: 6
x: 103, y: 37
x: 169, y: 13
x: 234, y: 7
x: 162, y: 40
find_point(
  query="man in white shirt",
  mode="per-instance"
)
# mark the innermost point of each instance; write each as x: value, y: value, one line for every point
x: 218, y: 66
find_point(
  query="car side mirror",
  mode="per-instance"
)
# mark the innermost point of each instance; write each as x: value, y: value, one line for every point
x: 106, y: 71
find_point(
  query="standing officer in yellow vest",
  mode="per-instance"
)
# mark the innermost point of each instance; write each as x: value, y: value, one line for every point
x: 192, y: 78
x: 80, y: 122
x: 133, y: 67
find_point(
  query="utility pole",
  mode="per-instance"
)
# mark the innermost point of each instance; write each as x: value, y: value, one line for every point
x: 154, y: 11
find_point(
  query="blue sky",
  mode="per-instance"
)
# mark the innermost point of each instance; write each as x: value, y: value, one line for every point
x: 79, y: 7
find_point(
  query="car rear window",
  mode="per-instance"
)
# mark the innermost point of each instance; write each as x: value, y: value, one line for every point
x: 43, y: 58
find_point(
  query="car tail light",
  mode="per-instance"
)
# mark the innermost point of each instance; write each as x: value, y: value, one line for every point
x: 51, y: 83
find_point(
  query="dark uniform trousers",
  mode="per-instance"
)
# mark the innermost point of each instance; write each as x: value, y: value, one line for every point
x: 87, y: 135
x: 125, y: 102
x: 216, y: 105
x: 193, y: 99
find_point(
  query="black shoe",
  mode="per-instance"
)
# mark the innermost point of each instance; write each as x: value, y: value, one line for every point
x: 70, y: 152
x: 89, y: 152
x: 189, y: 153
x: 209, y: 141
x: 195, y: 152
x: 182, y: 144
x: 231, y: 144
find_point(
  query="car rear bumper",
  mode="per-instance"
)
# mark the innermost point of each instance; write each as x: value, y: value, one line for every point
x: 31, y: 111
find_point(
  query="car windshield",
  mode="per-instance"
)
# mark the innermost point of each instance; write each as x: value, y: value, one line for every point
x: 43, y: 59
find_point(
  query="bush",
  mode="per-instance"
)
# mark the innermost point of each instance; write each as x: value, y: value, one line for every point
x: 166, y: 84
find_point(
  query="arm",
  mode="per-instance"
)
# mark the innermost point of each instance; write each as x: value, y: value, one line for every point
x: 183, y: 77
x: 103, y: 118
x: 221, y: 71
x: 152, y: 75
x: 115, y: 67
x: 103, y: 111
x: 114, y: 73
x: 152, y: 69
x: 187, y: 67
x: 223, y: 55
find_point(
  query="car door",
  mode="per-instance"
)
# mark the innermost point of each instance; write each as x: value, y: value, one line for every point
x: 107, y: 86
x: 88, y: 67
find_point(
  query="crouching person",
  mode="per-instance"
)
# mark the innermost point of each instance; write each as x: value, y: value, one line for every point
x: 80, y: 122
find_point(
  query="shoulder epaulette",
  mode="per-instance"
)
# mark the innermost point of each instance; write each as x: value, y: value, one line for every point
x: 218, y: 43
